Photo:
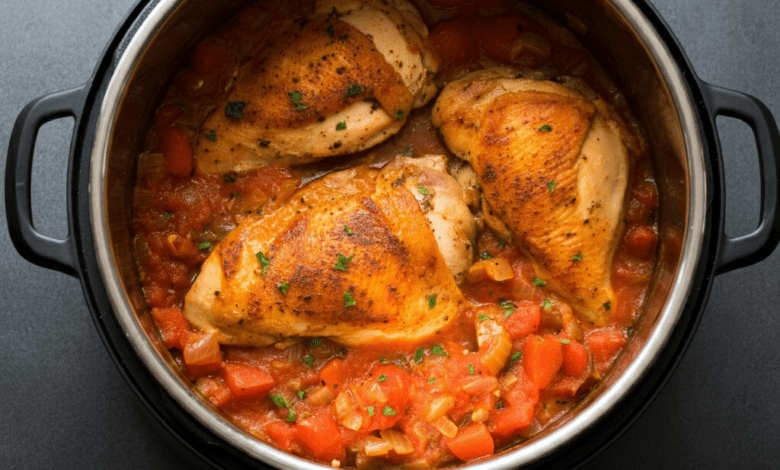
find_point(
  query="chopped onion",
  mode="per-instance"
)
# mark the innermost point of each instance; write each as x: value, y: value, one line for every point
x: 481, y: 386
x: 445, y: 426
x: 344, y: 404
x: 480, y: 415
x: 353, y: 421
x: 495, y: 345
x: 438, y: 407
x: 399, y: 441
x: 376, y: 446
x: 495, y: 269
x: 320, y: 396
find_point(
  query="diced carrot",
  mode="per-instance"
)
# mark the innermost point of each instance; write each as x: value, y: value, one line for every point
x: 202, y: 350
x: 174, y: 327
x: 333, y: 374
x: 641, y: 240
x: 455, y: 41
x: 281, y: 434
x: 498, y: 35
x: 167, y: 115
x: 575, y: 359
x: 320, y: 437
x: 472, y: 442
x: 208, y: 57
x: 177, y: 151
x: 542, y: 358
x: 523, y: 320
x: 247, y: 381
x: 215, y: 389
x: 605, y: 343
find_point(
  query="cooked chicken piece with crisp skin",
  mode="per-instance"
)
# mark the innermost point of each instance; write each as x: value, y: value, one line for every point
x: 553, y: 167
x: 349, y: 257
x: 340, y: 81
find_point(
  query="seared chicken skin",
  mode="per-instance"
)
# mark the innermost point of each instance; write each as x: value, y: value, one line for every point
x: 338, y: 82
x: 553, y: 167
x: 350, y: 257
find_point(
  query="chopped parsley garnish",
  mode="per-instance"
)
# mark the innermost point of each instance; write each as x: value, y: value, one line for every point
x: 234, y: 109
x: 485, y: 255
x: 418, y: 355
x: 331, y: 31
x: 314, y: 342
x: 546, y: 128
x: 551, y: 186
x: 283, y: 287
x: 577, y: 257
x: 343, y: 261
x: 349, y: 301
x: 297, y: 99
x: 564, y: 341
x: 279, y: 401
x: 547, y: 304
x: 538, y: 282
x: 431, y: 380
x: 370, y: 410
x: 438, y: 350
x: 290, y: 415
x: 399, y: 115
x: 471, y: 369
x: 309, y: 360
x: 212, y: 136
x: 264, y: 262
x: 204, y: 245
x: 515, y: 356
x: 349, y: 232
x: 387, y: 411
x: 409, y: 151
x: 507, y: 307
x: 341, y: 126
x: 484, y: 317
x: 431, y: 301
x: 423, y: 190
x: 381, y: 378
x: 354, y: 90
x: 301, y: 394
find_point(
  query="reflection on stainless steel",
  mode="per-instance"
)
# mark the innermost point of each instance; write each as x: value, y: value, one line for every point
x: 625, y: 44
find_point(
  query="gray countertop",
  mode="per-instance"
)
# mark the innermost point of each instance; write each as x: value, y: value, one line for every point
x: 65, y: 406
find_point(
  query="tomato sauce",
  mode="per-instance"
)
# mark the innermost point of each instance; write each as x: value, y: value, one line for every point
x: 425, y: 406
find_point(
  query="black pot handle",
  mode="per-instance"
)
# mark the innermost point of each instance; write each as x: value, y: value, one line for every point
x: 35, y: 247
x: 753, y: 247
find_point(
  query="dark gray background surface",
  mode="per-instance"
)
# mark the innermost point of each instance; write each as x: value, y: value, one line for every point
x: 63, y: 405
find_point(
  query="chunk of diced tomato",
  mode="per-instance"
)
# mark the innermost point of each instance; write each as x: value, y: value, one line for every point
x: 319, y: 435
x: 455, y: 41
x: 214, y: 389
x: 173, y: 326
x: 605, y: 343
x: 524, y: 320
x: 542, y: 358
x: 472, y: 442
x: 246, y: 381
x: 202, y: 350
x: 281, y: 434
x: 641, y: 240
x: 175, y: 146
x: 575, y: 359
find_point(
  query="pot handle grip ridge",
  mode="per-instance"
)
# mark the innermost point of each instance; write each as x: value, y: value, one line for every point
x: 34, y: 246
x: 744, y: 250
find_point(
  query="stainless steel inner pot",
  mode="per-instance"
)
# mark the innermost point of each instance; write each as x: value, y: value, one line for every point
x: 616, y: 32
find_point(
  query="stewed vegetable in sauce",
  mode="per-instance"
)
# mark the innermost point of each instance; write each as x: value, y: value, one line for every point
x: 393, y: 234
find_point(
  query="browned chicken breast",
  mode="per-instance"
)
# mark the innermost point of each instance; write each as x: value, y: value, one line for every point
x: 350, y: 257
x: 338, y: 82
x: 553, y: 168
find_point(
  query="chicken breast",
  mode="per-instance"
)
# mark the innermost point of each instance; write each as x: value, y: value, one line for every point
x: 337, y: 82
x: 553, y: 168
x: 350, y: 257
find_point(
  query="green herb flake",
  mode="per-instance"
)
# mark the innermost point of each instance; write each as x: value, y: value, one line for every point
x: 399, y: 115
x: 408, y: 151
x: 283, y: 287
x: 349, y: 232
x: 290, y: 415
x: 387, y: 411
x: 564, y: 341
x: 331, y: 31
x: 546, y: 128
x: 314, y: 342
x: 235, y: 109
x: 551, y: 186
x: 370, y: 410
x: 471, y: 369
x: 279, y: 401
x: 301, y: 394
x: 418, y: 355
x: 264, y: 262
x: 538, y: 282
x: 547, y: 304
x: 485, y: 255
x: 341, y: 126
x: 515, y: 356
x: 381, y: 378
x: 431, y: 301
x: 431, y: 380
x: 212, y: 136
x: 309, y: 360
x: 204, y: 245
x: 343, y: 261
x: 438, y: 350
x: 484, y: 317
x: 507, y: 307
x: 297, y: 99
x: 423, y: 190
x: 354, y: 90
x: 577, y: 257
x: 349, y: 301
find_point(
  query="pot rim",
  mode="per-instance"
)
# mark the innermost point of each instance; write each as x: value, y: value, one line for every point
x: 529, y: 452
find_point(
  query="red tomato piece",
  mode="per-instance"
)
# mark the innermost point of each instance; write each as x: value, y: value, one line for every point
x: 542, y: 358
x: 176, y: 150
x: 319, y: 435
x: 472, y: 442
x: 247, y: 381
x: 575, y: 359
x: 524, y: 320
x: 173, y: 326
